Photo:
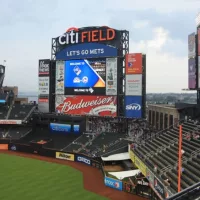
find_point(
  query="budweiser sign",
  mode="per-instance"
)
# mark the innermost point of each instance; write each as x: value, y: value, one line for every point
x: 87, y: 105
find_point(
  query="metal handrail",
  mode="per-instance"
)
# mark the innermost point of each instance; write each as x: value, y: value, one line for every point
x: 184, y: 160
x: 151, y: 153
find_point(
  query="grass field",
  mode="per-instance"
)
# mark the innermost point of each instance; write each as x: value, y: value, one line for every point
x: 29, y: 179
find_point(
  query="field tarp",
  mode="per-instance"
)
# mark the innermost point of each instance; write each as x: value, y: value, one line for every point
x: 123, y: 174
x: 117, y: 157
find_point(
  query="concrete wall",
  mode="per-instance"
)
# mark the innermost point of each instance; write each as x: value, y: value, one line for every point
x: 162, y: 116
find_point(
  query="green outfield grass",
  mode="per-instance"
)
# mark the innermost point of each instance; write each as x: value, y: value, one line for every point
x: 29, y: 179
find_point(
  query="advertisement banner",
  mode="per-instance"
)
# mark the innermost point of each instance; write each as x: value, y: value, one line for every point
x: 2, y: 101
x: 86, y: 105
x: 199, y: 71
x: 133, y: 85
x: 197, y: 20
x: 133, y: 106
x: 85, y: 77
x: 60, y: 71
x: 65, y: 128
x: 83, y: 160
x: 76, y: 128
x: 43, y: 104
x: 159, y: 187
x: 150, y: 177
x: 3, y: 146
x: 198, y: 40
x: 132, y: 156
x: 141, y: 166
x: 192, y: 73
x: 10, y: 121
x: 191, y: 46
x: 65, y: 156
x: 43, y: 85
x: 111, y: 76
x: 87, y: 50
x: 116, y: 184
x: 134, y: 63
x: 44, y: 66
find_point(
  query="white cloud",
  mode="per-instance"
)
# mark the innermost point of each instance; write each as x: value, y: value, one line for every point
x: 137, y: 24
x: 161, y: 6
x: 26, y: 37
x: 165, y: 72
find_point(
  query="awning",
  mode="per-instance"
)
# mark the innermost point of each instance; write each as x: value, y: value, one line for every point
x: 115, y: 157
x: 123, y: 174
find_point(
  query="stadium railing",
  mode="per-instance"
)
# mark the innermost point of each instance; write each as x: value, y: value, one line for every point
x: 30, y: 112
x: 157, y: 175
x: 164, y: 146
x: 186, y: 193
x: 184, y: 160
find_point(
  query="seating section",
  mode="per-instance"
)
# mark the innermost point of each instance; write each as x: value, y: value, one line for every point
x: 3, y: 96
x: 20, y: 112
x: 14, y: 131
x: 161, y: 153
x: 4, y: 131
x: 3, y: 112
x: 17, y: 132
x: 78, y: 143
x: 96, y: 145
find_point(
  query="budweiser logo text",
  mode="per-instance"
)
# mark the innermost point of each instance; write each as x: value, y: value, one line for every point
x: 68, y: 106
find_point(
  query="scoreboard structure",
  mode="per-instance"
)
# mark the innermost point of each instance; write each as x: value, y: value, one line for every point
x: 92, y: 73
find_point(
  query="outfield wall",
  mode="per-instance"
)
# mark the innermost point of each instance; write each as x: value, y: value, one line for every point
x: 83, y: 159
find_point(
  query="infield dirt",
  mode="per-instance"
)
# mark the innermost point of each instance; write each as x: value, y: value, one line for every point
x: 93, y: 179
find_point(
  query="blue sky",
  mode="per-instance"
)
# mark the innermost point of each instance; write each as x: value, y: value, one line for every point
x: 157, y: 28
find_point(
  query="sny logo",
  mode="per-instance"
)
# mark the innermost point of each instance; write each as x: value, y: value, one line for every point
x: 133, y: 106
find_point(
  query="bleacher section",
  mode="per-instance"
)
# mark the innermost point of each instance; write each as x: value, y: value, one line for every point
x: 162, y: 152
x: 59, y: 140
x: 97, y: 144
x: 4, y: 131
x: 3, y: 112
x: 78, y: 143
x: 14, y: 131
x: 20, y: 112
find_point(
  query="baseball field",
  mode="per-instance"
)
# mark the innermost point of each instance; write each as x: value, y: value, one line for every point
x: 33, y: 177
x: 24, y: 178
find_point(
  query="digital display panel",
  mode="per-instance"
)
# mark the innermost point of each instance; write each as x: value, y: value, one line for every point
x: 86, y: 76
x: 64, y: 128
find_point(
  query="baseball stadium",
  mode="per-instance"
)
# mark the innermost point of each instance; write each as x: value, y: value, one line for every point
x: 91, y: 134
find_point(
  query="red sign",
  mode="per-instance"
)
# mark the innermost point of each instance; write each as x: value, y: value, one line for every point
x: 43, y: 100
x: 134, y: 63
x: 88, y: 105
x: 74, y: 36
x: 10, y: 121
x: 198, y: 42
x: 3, y: 146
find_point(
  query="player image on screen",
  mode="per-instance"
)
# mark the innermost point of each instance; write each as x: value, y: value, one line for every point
x: 85, y: 76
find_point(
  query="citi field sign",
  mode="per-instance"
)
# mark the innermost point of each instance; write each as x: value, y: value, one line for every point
x: 75, y: 35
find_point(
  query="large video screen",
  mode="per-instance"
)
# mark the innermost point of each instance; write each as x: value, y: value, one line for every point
x: 86, y: 76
